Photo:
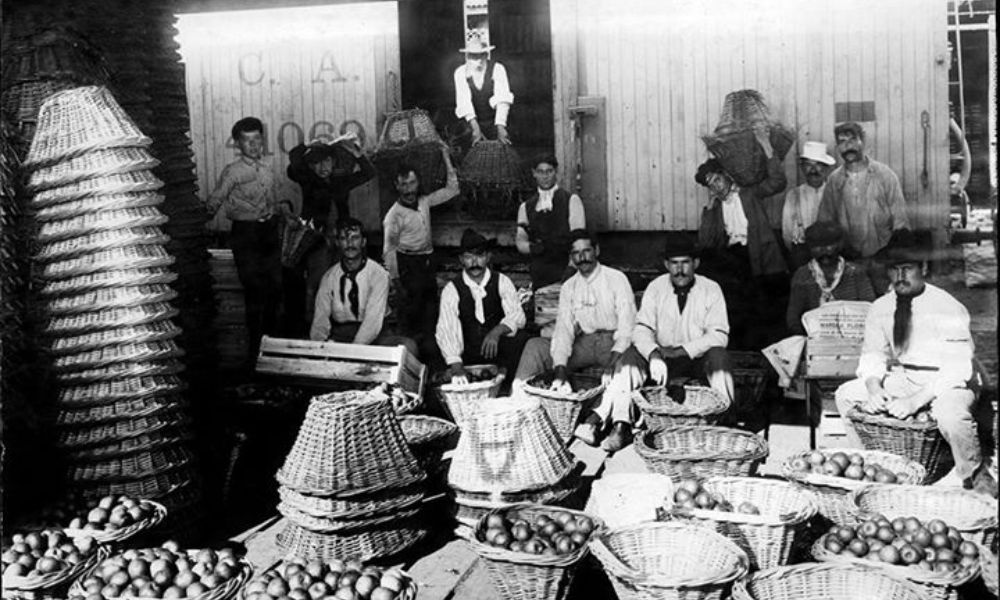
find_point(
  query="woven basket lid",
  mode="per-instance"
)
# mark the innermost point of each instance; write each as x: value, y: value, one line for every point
x: 87, y: 224
x: 117, y: 183
x: 102, y: 240
x: 133, y: 352
x: 79, y: 120
x: 93, y: 164
x: 105, y: 279
x: 110, y: 298
x: 119, y: 389
x: 116, y: 410
x: 151, y: 487
x: 121, y: 370
x: 144, y: 463
x: 406, y: 126
x: 128, y: 257
x: 366, y: 453
x: 110, y: 318
x: 147, y: 441
x: 23, y: 100
x: 510, y: 445
x: 106, y: 202
x: 106, y: 433
x: 494, y: 163
x: 741, y: 111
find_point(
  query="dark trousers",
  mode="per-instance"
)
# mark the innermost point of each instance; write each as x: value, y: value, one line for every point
x: 300, y: 285
x: 257, y: 253
x: 418, y: 302
x: 508, y: 351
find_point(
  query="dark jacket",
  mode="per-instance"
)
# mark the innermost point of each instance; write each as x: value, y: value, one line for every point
x: 318, y: 194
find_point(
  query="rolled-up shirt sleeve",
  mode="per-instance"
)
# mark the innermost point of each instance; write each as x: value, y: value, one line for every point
x: 565, y: 328
x: 501, y: 89
x: 390, y: 244
x: 449, y: 329
x: 625, y: 309
x: 514, y: 317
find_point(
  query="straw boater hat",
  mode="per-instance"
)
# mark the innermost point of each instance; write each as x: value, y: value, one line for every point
x: 475, y: 45
x: 817, y: 151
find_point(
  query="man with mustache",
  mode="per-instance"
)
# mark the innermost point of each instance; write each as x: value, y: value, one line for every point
x: 865, y: 197
x: 918, y: 352
x: 593, y: 329
x: 802, y: 202
x: 827, y: 277
x: 481, y: 319
x: 482, y: 93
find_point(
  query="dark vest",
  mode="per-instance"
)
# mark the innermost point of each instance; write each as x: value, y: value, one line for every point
x: 472, y: 330
x: 551, y: 229
x: 481, y: 98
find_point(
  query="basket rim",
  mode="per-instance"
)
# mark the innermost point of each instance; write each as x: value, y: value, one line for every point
x: 560, y: 490
x: 985, y: 522
x: 119, y: 535
x: 845, y: 484
x: 909, y: 573
x: 53, y: 579
x: 547, y: 394
x: 493, y: 553
x: 720, y: 405
x: 854, y: 414
x: 501, y: 373
x: 806, y: 511
x: 804, y: 569
x: 643, y: 449
x: 444, y: 428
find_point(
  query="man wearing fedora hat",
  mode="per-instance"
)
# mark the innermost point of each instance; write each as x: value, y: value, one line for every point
x: 482, y: 92
x: 826, y: 277
x: 918, y: 352
x: 802, y: 202
x: 480, y: 319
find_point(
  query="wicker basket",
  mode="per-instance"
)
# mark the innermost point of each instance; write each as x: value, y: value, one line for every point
x: 121, y: 370
x: 988, y: 563
x: 405, y: 127
x: 701, y: 451
x: 78, y: 208
x: 113, y: 318
x: 375, y: 542
x: 106, y: 433
x: 380, y: 503
x: 749, y: 371
x: 145, y: 463
x: 128, y: 257
x: 492, y: 163
x: 472, y: 506
x: 110, y: 355
x: 119, y: 183
x: 155, y: 486
x: 101, y: 240
x: 407, y: 593
x: 139, y: 334
x: 563, y: 409
x: 972, y: 513
x: 297, y: 239
x: 660, y: 561
x: 97, y: 163
x: 833, y: 494
x: 525, y: 576
x: 116, y: 410
x: 105, y: 279
x: 341, y: 526
x: 33, y: 587
x: 824, y: 581
x: 161, y: 438
x: 119, y: 389
x: 921, y: 442
x: 462, y: 401
x: 767, y: 538
x: 159, y: 512
x: 701, y: 406
x: 429, y: 438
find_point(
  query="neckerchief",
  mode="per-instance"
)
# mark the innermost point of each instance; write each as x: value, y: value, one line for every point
x: 902, y: 320
x: 826, y: 291
x: 682, y: 295
x: 352, y: 295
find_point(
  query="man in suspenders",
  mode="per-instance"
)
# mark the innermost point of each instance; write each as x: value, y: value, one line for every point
x: 482, y: 93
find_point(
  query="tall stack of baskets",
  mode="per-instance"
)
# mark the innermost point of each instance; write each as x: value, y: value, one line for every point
x: 350, y: 487
x: 104, y: 282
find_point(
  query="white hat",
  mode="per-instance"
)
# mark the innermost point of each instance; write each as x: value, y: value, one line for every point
x: 817, y: 151
x: 475, y: 45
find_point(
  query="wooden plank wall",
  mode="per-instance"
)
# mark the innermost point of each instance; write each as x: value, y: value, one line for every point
x: 665, y: 67
x: 305, y: 72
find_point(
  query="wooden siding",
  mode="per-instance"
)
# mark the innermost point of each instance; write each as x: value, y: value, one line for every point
x: 665, y: 67
x: 305, y: 72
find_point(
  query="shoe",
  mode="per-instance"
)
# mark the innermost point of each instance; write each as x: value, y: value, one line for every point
x: 982, y: 482
x: 620, y: 436
x: 589, y: 432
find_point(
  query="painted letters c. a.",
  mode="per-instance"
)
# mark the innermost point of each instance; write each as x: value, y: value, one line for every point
x: 328, y: 65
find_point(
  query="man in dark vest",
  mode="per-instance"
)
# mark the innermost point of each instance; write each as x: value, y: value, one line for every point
x: 480, y: 319
x: 544, y: 222
x: 482, y: 93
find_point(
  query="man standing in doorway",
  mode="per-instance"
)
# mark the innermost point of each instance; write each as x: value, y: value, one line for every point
x: 482, y: 93
x: 802, y: 202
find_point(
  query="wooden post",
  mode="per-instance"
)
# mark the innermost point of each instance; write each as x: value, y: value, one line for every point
x: 565, y: 69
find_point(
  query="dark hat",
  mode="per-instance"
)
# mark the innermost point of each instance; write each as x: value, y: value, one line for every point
x: 472, y: 241
x: 824, y: 233
x: 904, y: 246
x: 679, y: 244
x: 707, y: 168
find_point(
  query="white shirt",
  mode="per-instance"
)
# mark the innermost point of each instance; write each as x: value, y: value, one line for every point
x: 577, y: 217
x: 373, y: 296
x: 449, y: 326
x: 734, y: 218
x: 799, y: 212
x: 602, y: 302
x: 939, y: 337
x: 501, y: 100
x: 703, y: 324
x: 409, y: 230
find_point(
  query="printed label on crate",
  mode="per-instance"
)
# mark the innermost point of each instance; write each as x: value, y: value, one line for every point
x: 837, y: 319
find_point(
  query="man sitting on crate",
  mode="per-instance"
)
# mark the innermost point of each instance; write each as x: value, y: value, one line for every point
x: 917, y: 352
x: 593, y: 329
x: 480, y: 319
x: 353, y: 295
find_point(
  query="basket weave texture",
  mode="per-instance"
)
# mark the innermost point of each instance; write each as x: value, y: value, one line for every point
x: 101, y: 240
x: 563, y: 409
x: 77, y: 208
x: 114, y: 318
x: 110, y: 298
x: 297, y: 239
x: 733, y: 142
x: 492, y: 163
x: 115, y: 410
x: 96, y: 163
x: 655, y: 561
x: 921, y: 442
x: 365, y: 545
x: 361, y: 507
x: 429, y: 438
x: 406, y: 127
x: 701, y: 451
x: 128, y: 257
x: 105, y: 279
x: 700, y: 406
x: 118, y: 183
x: 119, y: 389
x: 134, y: 466
x: 749, y: 371
x: 824, y: 581
x: 972, y: 513
x: 159, y: 512
x: 464, y: 401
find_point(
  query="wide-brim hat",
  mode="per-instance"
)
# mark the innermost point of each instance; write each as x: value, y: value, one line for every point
x: 316, y: 152
x: 473, y: 241
x: 905, y: 246
x: 475, y: 45
x: 680, y: 244
x: 817, y: 151
x: 824, y: 233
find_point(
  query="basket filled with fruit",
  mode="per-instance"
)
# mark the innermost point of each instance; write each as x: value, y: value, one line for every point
x: 531, y: 551
x: 429, y: 438
x: 470, y: 507
x: 974, y: 515
x: 701, y: 451
x: 760, y: 515
x: 117, y: 518
x: 462, y: 400
x: 335, y: 578
x: 37, y: 561
x: 826, y: 581
x: 402, y: 401
x: 929, y: 554
x: 917, y: 437
x: 833, y: 473
x: 672, y: 559
x: 165, y: 572
x: 563, y: 408
x: 679, y: 405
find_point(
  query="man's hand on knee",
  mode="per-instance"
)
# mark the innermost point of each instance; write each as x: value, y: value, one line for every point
x: 658, y: 368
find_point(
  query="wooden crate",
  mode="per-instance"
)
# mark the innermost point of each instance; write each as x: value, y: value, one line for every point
x: 318, y: 363
x: 832, y: 357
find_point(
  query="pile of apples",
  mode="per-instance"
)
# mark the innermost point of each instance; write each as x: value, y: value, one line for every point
x: 473, y: 375
x: 934, y: 545
x: 691, y: 495
x: 921, y: 416
x: 839, y: 464
x: 556, y: 533
x: 335, y: 579
x: 113, y: 513
x: 164, y: 572
x: 44, y: 552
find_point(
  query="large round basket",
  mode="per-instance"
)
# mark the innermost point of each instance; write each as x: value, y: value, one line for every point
x: 990, y: 568
x: 824, y: 581
x: 833, y: 494
x: 656, y: 561
x: 159, y: 512
x: 767, y: 538
x: 919, y: 441
x: 563, y: 409
x: 701, y: 451
x: 363, y: 545
x: 972, y: 513
x: 472, y: 506
x: 34, y: 587
x: 462, y: 401
x: 526, y: 576
x: 699, y: 406
x: 223, y: 592
x: 936, y: 585
x: 429, y: 438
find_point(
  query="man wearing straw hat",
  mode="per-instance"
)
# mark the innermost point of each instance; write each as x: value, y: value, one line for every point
x: 480, y: 319
x: 918, y: 352
x: 482, y: 92
x: 802, y: 202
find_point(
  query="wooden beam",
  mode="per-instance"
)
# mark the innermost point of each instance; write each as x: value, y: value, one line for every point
x: 565, y: 69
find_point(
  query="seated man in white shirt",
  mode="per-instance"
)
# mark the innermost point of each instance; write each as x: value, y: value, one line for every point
x: 353, y: 294
x: 593, y: 329
x: 918, y: 351
x: 480, y: 319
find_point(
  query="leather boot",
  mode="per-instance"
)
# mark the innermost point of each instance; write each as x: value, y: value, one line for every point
x: 620, y: 436
x: 590, y: 430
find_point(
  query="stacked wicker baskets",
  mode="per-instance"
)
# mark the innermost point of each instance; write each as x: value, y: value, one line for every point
x: 510, y: 453
x: 104, y: 278
x: 350, y: 487
x: 920, y: 441
x: 701, y: 451
x: 564, y: 409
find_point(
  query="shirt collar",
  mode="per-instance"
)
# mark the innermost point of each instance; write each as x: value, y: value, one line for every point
x: 593, y: 276
x: 545, y: 199
x: 472, y: 284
